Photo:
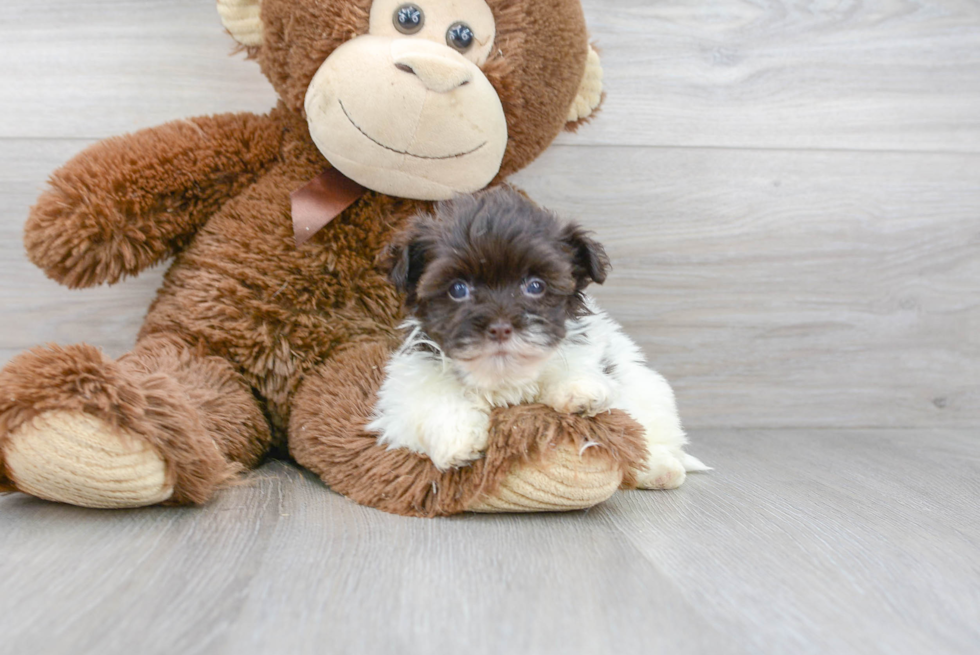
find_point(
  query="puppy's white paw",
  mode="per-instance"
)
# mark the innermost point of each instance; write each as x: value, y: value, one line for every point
x: 578, y: 395
x: 662, y: 470
x: 456, y: 443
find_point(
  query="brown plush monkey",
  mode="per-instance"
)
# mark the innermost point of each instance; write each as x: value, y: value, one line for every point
x: 255, y: 341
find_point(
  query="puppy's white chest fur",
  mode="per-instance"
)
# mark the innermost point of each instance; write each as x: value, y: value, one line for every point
x: 433, y: 405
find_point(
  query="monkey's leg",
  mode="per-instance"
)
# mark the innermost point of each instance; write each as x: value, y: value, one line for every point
x: 536, y: 459
x: 163, y: 424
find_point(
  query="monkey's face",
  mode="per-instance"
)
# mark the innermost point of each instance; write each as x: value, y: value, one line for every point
x: 425, y: 99
x: 406, y: 109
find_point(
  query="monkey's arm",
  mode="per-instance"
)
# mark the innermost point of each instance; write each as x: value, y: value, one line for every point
x: 129, y: 202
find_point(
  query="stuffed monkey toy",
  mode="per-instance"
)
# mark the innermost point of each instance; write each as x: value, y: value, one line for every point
x: 273, y: 324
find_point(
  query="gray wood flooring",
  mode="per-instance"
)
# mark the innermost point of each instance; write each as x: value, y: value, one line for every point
x: 802, y: 541
x: 790, y: 194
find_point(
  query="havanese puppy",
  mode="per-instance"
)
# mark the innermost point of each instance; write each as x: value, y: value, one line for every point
x: 494, y: 287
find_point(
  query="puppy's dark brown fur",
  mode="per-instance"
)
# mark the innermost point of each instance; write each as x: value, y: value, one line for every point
x: 494, y: 242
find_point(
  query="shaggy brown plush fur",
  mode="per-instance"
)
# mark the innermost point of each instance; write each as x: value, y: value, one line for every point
x: 248, y: 329
x: 180, y: 402
x: 129, y: 202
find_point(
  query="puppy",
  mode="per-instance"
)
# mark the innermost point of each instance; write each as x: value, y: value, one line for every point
x: 495, y: 288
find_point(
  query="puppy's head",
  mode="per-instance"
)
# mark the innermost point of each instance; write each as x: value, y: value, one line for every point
x: 493, y: 278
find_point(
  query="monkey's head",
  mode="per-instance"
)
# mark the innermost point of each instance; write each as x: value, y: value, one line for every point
x: 425, y: 99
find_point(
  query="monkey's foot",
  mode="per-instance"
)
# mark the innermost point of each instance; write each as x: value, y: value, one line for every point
x: 76, y: 458
x: 561, y: 482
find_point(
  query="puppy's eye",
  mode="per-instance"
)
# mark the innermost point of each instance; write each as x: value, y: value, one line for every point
x: 408, y: 19
x: 534, y: 287
x: 460, y: 36
x: 459, y: 290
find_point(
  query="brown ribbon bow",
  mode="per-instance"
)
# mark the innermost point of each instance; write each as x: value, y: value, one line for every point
x: 321, y: 200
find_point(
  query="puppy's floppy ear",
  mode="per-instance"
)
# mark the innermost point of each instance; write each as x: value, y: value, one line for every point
x: 589, y: 260
x: 405, y: 258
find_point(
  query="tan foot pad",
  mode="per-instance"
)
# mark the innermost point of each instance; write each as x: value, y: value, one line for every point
x: 561, y: 483
x: 78, y: 459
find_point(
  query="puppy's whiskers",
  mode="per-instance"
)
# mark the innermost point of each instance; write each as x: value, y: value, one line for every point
x: 417, y: 338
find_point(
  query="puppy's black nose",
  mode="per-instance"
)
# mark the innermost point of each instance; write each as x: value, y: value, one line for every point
x: 500, y: 331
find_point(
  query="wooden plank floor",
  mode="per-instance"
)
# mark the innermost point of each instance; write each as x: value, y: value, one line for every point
x: 803, y: 541
x: 790, y: 194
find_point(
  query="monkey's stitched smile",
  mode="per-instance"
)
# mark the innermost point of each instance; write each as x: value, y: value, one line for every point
x: 403, y: 152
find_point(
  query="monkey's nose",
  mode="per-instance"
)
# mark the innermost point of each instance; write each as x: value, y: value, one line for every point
x: 500, y: 331
x: 438, y: 73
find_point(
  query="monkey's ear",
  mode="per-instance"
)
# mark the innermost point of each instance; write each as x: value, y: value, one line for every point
x: 590, y: 262
x: 241, y: 19
x: 589, y: 95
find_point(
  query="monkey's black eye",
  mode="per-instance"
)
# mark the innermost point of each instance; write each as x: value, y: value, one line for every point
x: 460, y: 36
x: 459, y: 290
x: 408, y: 19
x: 533, y: 287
